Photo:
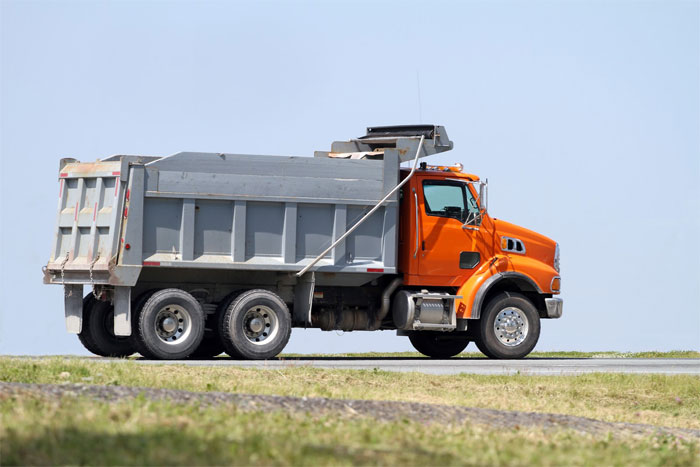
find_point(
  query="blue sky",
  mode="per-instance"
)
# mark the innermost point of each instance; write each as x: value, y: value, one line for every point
x: 585, y: 117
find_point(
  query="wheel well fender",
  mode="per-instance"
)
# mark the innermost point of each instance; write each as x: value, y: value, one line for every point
x: 508, y: 281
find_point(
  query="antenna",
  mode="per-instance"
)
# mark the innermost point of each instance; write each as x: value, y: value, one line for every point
x: 420, y: 110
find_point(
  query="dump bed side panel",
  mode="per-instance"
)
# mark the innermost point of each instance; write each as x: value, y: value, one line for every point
x: 266, y: 212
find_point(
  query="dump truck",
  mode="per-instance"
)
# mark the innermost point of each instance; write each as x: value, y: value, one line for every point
x: 196, y: 254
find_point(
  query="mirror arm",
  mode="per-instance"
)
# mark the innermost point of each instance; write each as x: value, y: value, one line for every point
x: 477, y: 218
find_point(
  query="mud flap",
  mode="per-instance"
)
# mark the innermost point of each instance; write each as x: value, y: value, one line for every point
x: 122, y: 311
x: 73, y: 301
x: 303, y: 299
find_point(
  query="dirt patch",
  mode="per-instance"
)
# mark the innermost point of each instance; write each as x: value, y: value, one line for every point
x: 381, y: 410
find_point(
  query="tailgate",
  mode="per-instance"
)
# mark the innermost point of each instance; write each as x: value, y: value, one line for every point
x: 88, y: 223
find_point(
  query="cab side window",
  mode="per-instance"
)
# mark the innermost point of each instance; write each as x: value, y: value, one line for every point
x: 445, y: 199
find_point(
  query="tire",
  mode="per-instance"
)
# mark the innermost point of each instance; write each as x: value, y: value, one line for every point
x: 136, y: 307
x: 83, y: 335
x: 97, y: 333
x: 255, y: 326
x: 523, y: 331
x: 170, y: 325
x: 437, y: 344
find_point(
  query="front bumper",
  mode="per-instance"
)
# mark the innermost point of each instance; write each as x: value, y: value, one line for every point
x: 555, y: 307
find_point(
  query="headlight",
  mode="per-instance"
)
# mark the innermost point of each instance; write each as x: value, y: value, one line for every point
x: 556, y: 257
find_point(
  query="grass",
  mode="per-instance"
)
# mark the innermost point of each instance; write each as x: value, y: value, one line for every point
x: 474, y: 354
x: 77, y: 431
x: 667, y: 400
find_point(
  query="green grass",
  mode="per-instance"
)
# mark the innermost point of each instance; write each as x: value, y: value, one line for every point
x: 76, y: 431
x: 475, y: 354
x: 667, y: 400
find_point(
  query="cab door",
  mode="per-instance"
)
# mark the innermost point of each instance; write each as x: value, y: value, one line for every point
x: 449, y: 238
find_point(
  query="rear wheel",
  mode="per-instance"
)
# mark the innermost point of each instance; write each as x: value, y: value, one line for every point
x: 256, y: 325
x: 136, y: 307
x: 437, y: 344
x: 170, y: 325
x: 97, y: 334
x: 509, y: 327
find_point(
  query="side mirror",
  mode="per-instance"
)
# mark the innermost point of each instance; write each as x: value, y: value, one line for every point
x: 473, y: 220
x: 484, y: 195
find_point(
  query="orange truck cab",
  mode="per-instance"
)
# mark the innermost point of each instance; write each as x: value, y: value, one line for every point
x: 504, y: 277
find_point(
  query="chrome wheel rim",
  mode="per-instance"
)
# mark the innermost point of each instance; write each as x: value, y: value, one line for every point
x: 173, y: 324
x: 260, y: 324
x: 511, y: 326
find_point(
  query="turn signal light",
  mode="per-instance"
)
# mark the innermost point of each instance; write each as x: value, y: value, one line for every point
x: 556, y: 284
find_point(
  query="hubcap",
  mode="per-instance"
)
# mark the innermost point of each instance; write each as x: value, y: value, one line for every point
x: 169, y: 324
x: 173, y: 324
x: 511, y: 326
x: 256, y: 325
x: 260, y: 324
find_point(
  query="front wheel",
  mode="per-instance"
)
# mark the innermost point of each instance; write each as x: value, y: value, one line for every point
x: 255, y: 326
x: 509, y: 327
x: 437, y: 344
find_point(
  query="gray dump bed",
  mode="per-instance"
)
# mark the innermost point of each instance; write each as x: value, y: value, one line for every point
x: 232, y: 211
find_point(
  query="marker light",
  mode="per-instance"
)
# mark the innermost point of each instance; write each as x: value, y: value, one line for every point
x: 556, y: 284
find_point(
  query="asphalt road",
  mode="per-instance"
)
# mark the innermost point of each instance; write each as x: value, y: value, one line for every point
x: 530, y: 366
